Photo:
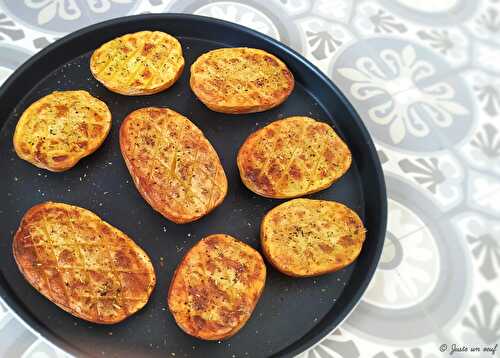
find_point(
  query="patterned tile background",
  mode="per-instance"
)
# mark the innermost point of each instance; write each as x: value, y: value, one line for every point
x: 425, y: 77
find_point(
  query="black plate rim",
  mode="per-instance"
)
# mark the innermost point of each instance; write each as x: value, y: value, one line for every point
x: 34, y: 325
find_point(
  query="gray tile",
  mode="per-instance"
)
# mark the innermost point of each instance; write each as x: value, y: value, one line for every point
x: 481, y: 149
x: 274, y: 18
x: 337, y: 343
x: 483, y: 193
x: 41, y: 349
x: 485, y: 88
x: 9, y: 29
x: 410, y: 280
x: 477, y: 322
x: 15, y: 339
x: 482, y: 318
x: 397, y: 112
x: 482, y: 235
x: 477, y: 141
x: 435, y: 288
x: 61, y: 17
x: 438, y: 176
x: 404, y: 86
x: 342, y: 11
x: 431, y: 12
x: 483, y: 21
x: 11, y: 58
x: 440, y: 42
x: 323, y: 40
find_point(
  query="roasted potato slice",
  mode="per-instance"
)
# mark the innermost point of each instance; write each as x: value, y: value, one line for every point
x: 216, y: 287
x: 82, y: 264
x: 240, y: 80
x: 58, y: 130
x: 141, y: 63
x: 173, y: 165
x: 305, y: 237
x: 292, y: 157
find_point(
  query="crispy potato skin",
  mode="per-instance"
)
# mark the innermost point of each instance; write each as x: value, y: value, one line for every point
x: 240, y: 80
x: 58, y: 130
x: 82, y: 264
x: 141, y: 63
x: 305, y: 237
x: 173, y: 165
x: 292, y: 157
x: 216, y: 287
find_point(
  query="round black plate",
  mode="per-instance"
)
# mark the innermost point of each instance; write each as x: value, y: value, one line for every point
x: 292, y: 314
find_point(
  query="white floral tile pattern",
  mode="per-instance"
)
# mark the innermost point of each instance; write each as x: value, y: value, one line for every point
x: 425, y: 78
x: 241, y: 14
x: 323, y: 39
x: 378, y: 19
x: 372, y: 18
x: 403, y: 282
x: 485, y: 23
x: 61, y: 16
x: 335, y: 10
x: 399, y: 88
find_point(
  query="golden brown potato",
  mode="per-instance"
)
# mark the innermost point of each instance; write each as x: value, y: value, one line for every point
x: 240, y: 80
x: 292, y: 157
x: 58, y: 130
x: 173, y: 165
x: 216, y: 287
x: 141, y: 63
x: 82, y: 264
x: 305, y: 237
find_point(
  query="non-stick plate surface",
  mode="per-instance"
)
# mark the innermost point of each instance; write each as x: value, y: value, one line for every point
x: 292, y: 314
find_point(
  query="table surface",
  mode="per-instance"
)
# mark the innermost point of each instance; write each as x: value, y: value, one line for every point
x: 425, y: 78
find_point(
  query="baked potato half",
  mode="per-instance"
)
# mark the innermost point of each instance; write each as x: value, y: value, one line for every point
x: 305, y: 237
x: 292, y: 157
x: 173, y: 165
x: 216, y: 287
x: 240, y: 80
x: 82, y: 264
x: 141, y: 63
x: 58, y: 130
